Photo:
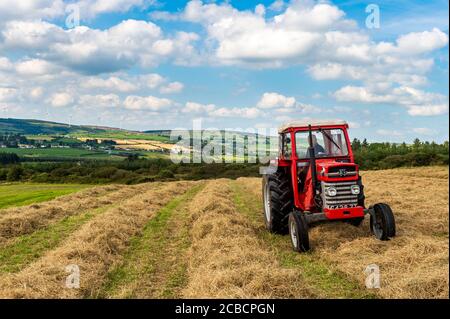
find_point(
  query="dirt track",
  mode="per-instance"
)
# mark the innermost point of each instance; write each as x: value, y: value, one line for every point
x: 207, y: 239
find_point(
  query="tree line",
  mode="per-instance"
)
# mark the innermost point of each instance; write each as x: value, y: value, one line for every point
x: 392, y: 155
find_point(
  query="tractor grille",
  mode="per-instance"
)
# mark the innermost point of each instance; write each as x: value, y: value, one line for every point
x: 342, y: 171
x: 344, y: 197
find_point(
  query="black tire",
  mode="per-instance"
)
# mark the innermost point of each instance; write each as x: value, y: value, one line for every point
x: 382, y: 222
x: 361, y: 196
x: 298, y: 231
x: 357, y: 221
x: 277, y: 201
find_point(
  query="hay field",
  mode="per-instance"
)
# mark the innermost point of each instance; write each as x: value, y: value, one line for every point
x: 206, y: 239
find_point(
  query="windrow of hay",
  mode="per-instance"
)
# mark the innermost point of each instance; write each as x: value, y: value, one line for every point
x: 96, y: 247
x: 415, y: 263
x: 24, y: 220
x: 226, y: 259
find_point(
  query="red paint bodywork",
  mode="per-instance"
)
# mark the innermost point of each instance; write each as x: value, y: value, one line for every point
x: 304, y: 199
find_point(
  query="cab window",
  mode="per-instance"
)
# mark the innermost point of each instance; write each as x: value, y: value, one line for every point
x: 287, y: 147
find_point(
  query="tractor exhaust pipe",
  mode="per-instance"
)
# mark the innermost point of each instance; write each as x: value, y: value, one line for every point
x: 312, y: 159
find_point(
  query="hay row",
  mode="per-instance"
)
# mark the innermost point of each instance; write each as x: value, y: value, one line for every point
x: 24, y: 220
x: 226, y: 259
x: 94, y: 248
x: 415, y: 264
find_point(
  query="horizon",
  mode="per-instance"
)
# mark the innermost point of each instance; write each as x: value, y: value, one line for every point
x: 159, y: 65
x: 243, y: 132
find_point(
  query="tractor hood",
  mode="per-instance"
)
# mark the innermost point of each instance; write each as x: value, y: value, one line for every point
x: 332, y: 171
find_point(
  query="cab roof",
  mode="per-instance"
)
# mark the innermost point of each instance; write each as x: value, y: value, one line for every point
x: 306, y: 123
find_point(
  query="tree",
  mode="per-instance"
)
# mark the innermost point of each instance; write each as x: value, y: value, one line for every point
x: 14, y: 173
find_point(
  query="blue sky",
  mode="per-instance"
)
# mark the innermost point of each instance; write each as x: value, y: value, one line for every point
x: 145, y: 64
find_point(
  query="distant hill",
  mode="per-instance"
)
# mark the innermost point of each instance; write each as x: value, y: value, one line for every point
x: 27, y: 126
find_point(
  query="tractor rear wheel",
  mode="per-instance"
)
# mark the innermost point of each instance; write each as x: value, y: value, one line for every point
x: 277, y: 201
x: 298, y: 230
x: 382, y: 222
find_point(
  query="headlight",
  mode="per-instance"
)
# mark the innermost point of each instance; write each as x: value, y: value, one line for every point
x: 355, y: 189
x: 331, y: 191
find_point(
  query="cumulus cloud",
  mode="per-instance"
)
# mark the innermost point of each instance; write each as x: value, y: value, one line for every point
x: 211, y: 110
x: 61, y: 99
x: 34, y: 67
x: 274, y: 100
x: 284, y: 104
x: 36, y: 93
x: 112, y: 83
x: 102, y: 101
x: 172, y: 87
x: 38, y: 9
x: 417, y: 102
x: 150, y: 103
x: 93, y: 51
x: 7, y: 94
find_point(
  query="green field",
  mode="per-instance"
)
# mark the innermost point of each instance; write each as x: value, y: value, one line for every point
x: 57, y: 153
x: 123, y: 135
x: 20, y: 194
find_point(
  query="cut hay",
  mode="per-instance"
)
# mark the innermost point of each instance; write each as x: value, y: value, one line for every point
x: 94, y: 248
x: 414, y: 264
x: 24, y: 220
x: 226, y: 259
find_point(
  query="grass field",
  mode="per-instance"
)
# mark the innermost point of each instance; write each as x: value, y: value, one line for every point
x: 19, y: 194
x: 56, y: 152
x: 207, y: 239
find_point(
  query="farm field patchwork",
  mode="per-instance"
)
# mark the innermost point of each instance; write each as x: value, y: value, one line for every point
x: 207, y: 239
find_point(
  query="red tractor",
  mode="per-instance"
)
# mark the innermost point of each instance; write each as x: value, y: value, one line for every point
x: 315, y: 179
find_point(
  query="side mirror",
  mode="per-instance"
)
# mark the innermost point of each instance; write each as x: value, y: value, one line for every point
x: 288, y: 139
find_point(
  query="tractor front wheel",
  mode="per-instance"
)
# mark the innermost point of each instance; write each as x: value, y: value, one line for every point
x: 382, y: 222
x: 298, y: 230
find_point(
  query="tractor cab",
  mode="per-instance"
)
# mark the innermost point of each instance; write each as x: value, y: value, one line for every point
x: 315, y: 179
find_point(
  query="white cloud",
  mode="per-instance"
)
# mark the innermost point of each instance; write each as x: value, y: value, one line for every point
x: 277, y: 5
x: 354, y: 124
x: 94, y: 51
x: 212, y: 111
x: 246, y: 112
x: 284, y: 104
x: 421, y: 42
x: 112, y: 83
x: 417, y: 102
x: 425, y: 131
x: 192, y: 107
x: 102, y: 101
x: 37, y: 9
x: 61, y: 99
x: 7, y: 94
x: 5, y: 64
x: 172, y: 87
x: 271, y: 100
x: 91, y: 8
x: 150, y: 103
x: 34, y: 67
x: 152, y: 80
x: 428, y: 110
x: 36, y: 93
x: 391, y: 133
